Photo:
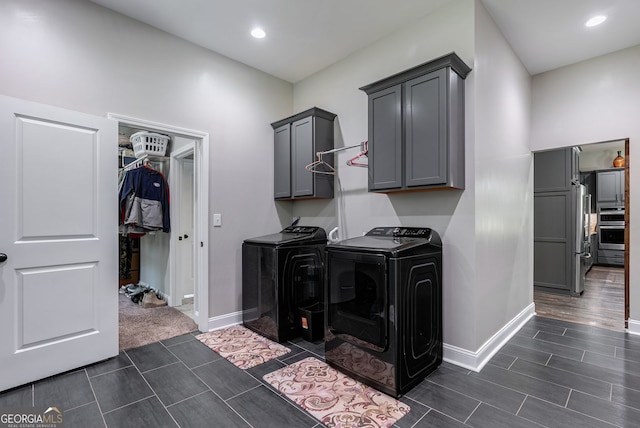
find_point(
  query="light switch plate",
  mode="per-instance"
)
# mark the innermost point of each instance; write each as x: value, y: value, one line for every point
x: 217, y: 220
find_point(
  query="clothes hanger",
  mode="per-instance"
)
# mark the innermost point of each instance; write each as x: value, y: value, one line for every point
x: 354, y: 160
x: 147, y: 164
x: 312, y: 167
x: 136, y: 163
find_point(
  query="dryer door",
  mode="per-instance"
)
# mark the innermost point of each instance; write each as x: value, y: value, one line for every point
x: 357, y: 288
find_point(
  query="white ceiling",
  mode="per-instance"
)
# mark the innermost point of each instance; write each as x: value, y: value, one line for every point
x: 305, y: 36
x: 547, y: 34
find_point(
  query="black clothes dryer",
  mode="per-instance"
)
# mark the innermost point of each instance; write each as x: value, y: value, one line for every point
x: 281, y: 273
x: 384, y: 307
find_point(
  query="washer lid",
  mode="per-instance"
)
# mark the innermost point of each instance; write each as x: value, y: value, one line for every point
x: 392, y: 239
x: 292, y: 235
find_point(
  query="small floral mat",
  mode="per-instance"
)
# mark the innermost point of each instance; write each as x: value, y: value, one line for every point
x: 242, y: 347
x: 333, y: 398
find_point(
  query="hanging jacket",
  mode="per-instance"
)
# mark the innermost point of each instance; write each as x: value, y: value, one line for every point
x: 144, y: 201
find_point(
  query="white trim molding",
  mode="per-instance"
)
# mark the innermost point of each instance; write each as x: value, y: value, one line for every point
x: 452, y: 354
x: 633, y: 326
x: 226, y: 320
x: 476, y: 360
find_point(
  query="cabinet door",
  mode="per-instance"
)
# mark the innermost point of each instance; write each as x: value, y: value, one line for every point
x: 552, y: 240
x: 282, y: 162
x: 385, y: 139
x: 425, y: 128
x: 302, y: 155
x: 609, y: 185
x: 552, y: 170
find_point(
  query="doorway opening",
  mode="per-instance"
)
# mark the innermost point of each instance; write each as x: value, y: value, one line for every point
x: 605, y: 266
x: 186, y: 248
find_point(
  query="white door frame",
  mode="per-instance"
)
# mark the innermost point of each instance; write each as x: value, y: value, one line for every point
x: 201, y: 223
x: 176, y: 168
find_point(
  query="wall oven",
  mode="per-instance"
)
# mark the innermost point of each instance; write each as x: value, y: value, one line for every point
x: 611, y: 228
x: 611, y: 216
x: 611, y: 237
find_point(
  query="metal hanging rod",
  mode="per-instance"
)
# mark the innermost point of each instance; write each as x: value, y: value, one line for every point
x: 361, y: 145
x: 328, y: 169
x: 136, y: 163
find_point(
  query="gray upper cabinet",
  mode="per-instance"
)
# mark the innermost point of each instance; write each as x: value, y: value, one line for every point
x: 610, y: 188
x: 296, y: 141
x: 416, y: 127
x: 554, y: 170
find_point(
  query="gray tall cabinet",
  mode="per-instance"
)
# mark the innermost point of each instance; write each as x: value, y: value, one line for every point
x: 416, y: 127
x: 553, y: 230
x: 296, y: 141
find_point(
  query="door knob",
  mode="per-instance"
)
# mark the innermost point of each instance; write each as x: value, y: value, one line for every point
x: 186, y: 236
x: 3, y: 257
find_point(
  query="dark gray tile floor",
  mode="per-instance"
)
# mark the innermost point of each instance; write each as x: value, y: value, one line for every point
x: 550, y: 374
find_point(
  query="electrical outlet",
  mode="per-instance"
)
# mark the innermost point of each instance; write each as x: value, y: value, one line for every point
x: 217, y: 220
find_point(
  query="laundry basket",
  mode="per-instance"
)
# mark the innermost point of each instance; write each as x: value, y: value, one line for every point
x: 149, y: 143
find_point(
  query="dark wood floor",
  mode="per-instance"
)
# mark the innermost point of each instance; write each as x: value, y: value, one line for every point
x: 601, y: 304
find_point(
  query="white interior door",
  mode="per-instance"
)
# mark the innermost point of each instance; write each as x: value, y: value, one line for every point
x: 186, y: 241
x: 58, y: 190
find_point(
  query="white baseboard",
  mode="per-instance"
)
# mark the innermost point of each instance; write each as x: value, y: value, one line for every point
x: 225, y: 320
x: 452, y: 354
x: 633, y: 326
x: 476, y: 360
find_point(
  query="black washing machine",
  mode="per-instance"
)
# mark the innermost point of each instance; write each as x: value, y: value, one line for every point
x: 384, y: 307
x: 281, y: 273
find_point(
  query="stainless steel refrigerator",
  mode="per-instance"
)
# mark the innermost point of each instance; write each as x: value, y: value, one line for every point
x: 582, y: 260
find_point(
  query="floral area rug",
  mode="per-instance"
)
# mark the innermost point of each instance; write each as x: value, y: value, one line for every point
x: 242, y: 347
x: 333, y: 398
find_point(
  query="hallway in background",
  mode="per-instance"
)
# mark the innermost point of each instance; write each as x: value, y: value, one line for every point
x: 601, y: 304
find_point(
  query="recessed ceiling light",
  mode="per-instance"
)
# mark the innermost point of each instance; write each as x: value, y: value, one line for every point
x: 258, y: 33
x: 596, y: 20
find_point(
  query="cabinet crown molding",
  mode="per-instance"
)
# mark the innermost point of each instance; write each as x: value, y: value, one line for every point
x: 449, y: 60
x: 314, y: 111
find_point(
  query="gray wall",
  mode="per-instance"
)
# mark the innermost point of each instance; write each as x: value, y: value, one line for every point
x: 503, y: 182
x: 593, y: 101
x: 80, y: 56
x: 487, y: 228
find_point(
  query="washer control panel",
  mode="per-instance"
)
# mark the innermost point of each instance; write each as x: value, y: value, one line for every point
x: 401, y: 232
x: 300, y: 229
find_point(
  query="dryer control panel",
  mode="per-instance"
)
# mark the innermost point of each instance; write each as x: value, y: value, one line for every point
x: 395, y: 232
x: 300, y: 229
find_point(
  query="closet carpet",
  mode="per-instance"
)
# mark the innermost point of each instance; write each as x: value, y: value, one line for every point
x: 141, y: 326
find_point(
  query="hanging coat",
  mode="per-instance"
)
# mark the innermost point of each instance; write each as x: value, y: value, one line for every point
x: 144, y: 200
